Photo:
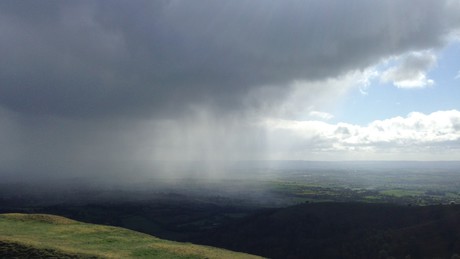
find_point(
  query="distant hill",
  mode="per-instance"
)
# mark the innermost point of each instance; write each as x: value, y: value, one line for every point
x: 345, y: 230
x: 49, y: 236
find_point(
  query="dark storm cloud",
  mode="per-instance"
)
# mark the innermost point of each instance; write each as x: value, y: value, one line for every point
x: 96, y: 87
x: 109, y: 58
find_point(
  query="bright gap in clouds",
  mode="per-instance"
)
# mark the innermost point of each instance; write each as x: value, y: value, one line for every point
x: 383, y: 99
x: 405, y: 107
x: 416, y: 136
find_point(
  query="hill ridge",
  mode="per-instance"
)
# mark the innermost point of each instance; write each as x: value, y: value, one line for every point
x: 44, y: 234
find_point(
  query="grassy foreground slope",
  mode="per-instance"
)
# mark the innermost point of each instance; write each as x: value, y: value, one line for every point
x: 42, y: 235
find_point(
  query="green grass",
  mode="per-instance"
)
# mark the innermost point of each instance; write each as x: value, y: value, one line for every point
x: 371, y: 197
x: 401, y: 192
x: 41, y: 233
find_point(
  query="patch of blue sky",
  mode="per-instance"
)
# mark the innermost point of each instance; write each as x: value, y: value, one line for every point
x: 383, y: 100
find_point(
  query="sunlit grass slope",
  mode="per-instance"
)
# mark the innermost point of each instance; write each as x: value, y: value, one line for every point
x: 41, y: 235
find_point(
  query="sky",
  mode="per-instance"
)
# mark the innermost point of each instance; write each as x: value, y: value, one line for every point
x: 118, y: 85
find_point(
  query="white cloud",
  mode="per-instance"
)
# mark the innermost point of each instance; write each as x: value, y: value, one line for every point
x: 412, y: 70
x: 321, y: 115
x: 458, y: 75
x: 417, y: 133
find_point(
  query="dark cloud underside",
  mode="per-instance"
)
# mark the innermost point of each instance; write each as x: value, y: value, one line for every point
x: 100, y: 58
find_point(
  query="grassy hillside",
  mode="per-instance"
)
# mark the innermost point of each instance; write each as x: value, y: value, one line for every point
x: 41, y: 235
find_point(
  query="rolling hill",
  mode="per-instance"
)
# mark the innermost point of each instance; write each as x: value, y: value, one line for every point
x: 45, y: 236
x: 344, y: 230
